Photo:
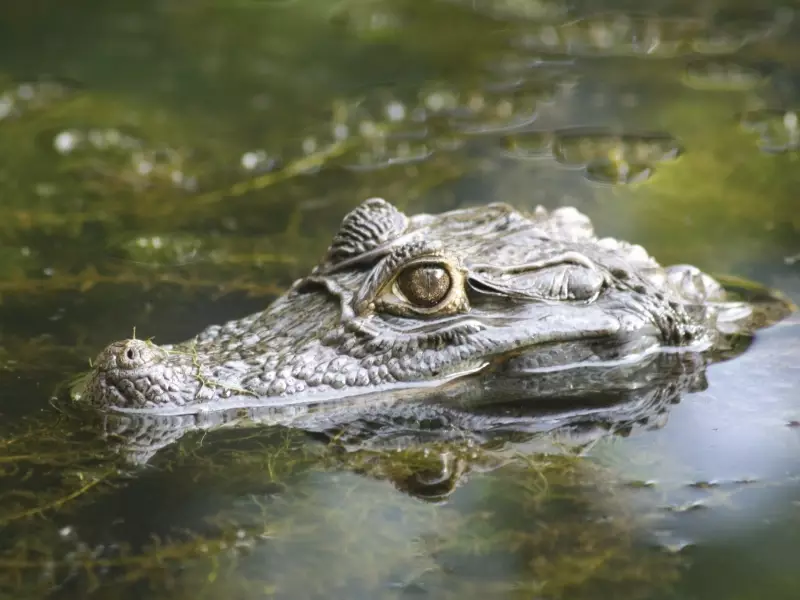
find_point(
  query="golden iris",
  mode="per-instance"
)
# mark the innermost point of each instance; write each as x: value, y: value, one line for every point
x: 424, y: 285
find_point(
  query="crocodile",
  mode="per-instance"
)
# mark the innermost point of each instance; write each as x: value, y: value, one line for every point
x: 402, y: 307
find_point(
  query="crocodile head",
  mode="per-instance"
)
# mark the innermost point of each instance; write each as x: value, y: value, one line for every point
x: 408, y: 303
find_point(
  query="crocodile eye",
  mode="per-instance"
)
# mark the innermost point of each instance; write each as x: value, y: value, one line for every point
x: 418, y: 280
x: 424, y: 285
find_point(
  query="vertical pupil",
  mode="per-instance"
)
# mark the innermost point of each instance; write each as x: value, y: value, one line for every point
x: 425, y: 285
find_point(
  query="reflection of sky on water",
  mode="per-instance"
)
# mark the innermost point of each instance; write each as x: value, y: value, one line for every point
x: 736, y: 435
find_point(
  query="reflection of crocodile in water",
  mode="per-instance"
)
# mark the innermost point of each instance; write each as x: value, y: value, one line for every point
x: 556, y: 411
x: 408, y: 304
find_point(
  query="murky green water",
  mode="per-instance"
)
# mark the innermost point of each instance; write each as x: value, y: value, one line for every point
x: 166, y: 165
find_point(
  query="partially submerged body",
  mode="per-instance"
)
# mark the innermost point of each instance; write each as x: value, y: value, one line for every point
x: 401, y: 307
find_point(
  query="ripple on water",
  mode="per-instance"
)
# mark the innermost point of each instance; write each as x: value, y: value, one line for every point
x: 616, y: 33
x: 579, y: 146
x: 385, y: 129
x: 501, y: 106
x: 486, y: 108
x: 606, y: 156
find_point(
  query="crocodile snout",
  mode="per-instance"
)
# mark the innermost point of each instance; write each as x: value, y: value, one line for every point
x: 128, y: 355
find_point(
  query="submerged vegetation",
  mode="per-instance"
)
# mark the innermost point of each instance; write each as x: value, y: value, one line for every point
x: 259, y: 490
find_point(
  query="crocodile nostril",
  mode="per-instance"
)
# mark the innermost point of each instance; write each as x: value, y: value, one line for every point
x: 131, y: 354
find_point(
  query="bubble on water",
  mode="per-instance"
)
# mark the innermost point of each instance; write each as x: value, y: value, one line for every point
x: 161, y: 250
x: 436, y: 101
x: 143, y: 167
x: 66, y: 141
x: 250, y: 160
x: 395, y: 111
x: 257, y: 161
x: 66, y: 532
x: 341, y: 132
x: 368, y: 129
x: 309, y: 145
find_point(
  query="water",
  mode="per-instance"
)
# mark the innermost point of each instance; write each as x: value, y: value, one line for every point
x: 170, y: 165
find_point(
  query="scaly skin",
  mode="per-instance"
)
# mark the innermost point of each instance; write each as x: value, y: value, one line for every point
x: 529, y: 293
